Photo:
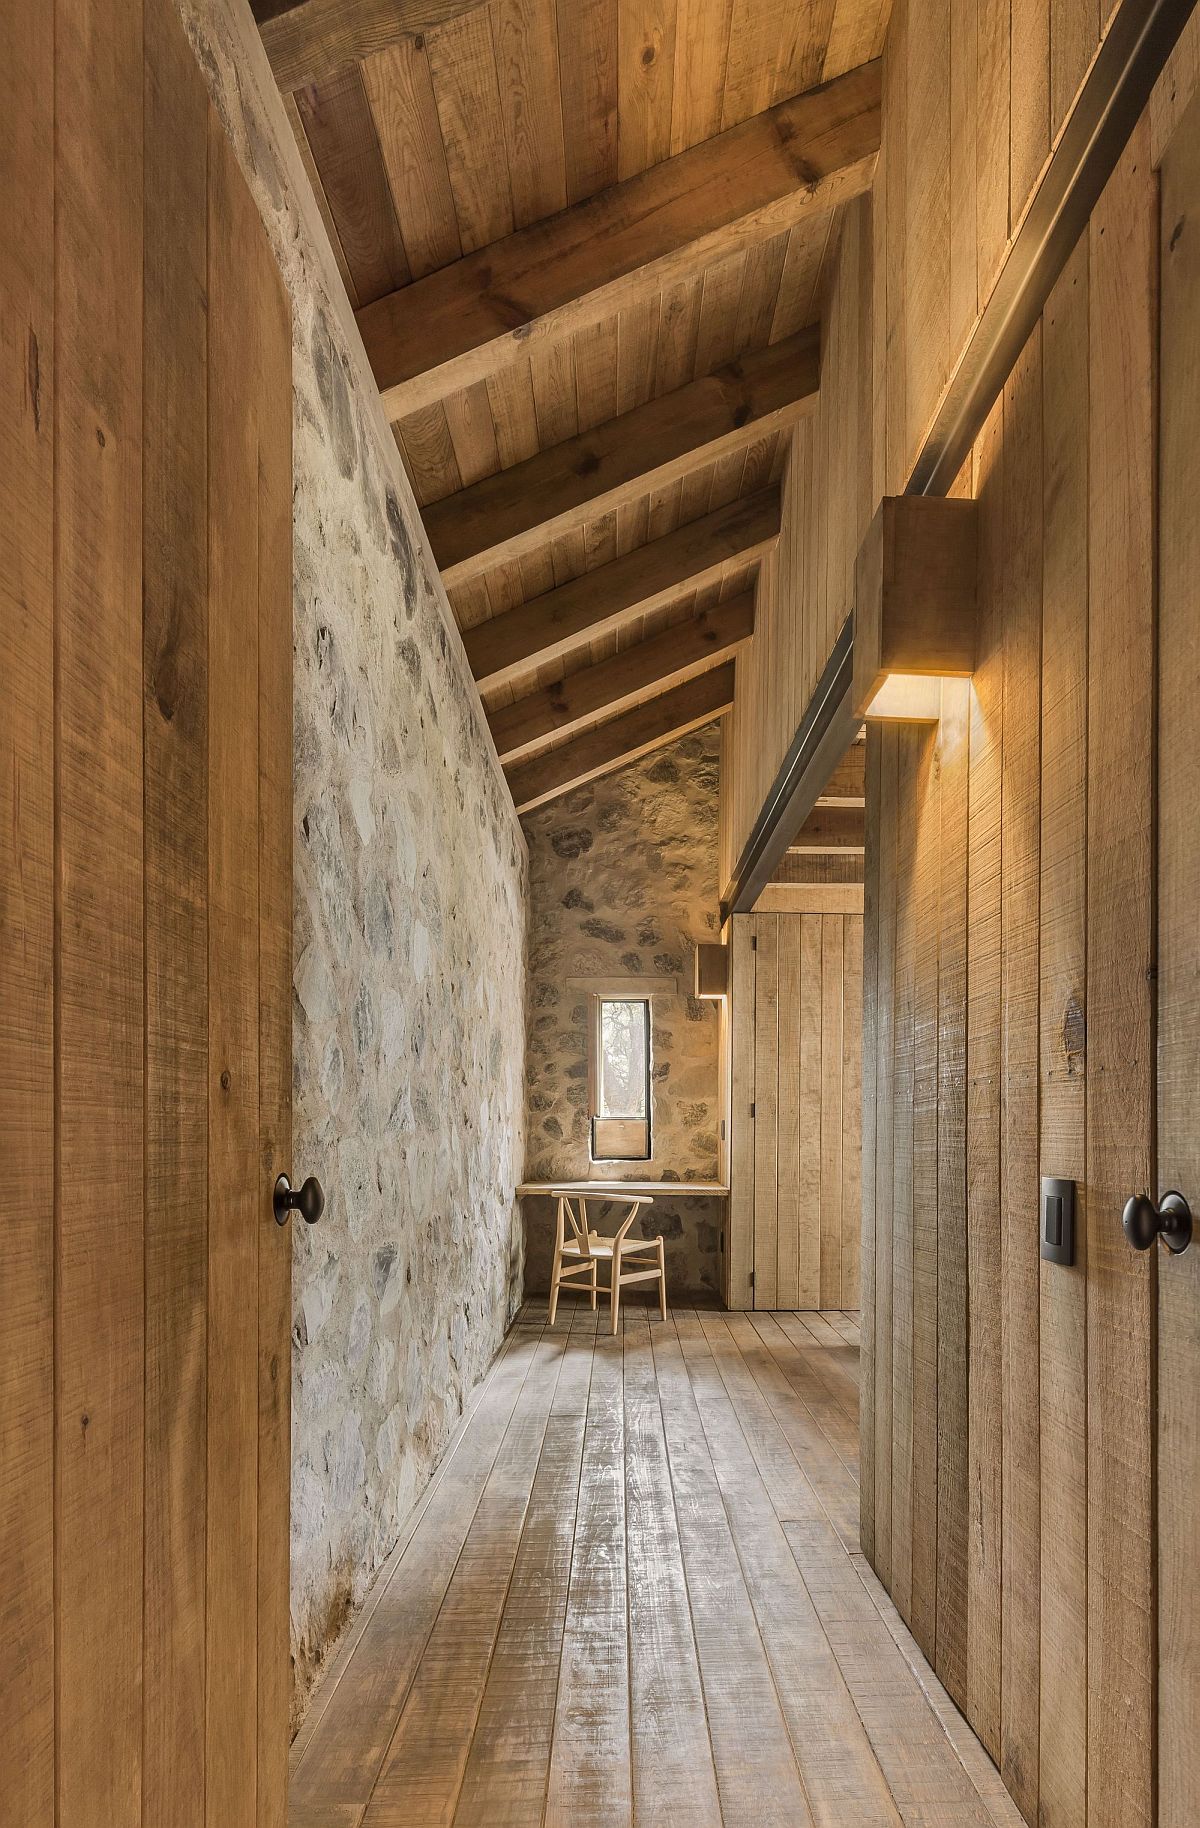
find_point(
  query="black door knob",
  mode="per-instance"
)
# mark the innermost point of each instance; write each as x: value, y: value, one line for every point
x: 308, y: 1200
x: 1171, y: 1220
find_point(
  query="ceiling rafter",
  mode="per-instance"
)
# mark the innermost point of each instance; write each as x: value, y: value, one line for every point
x: 622, y: 739
x: 458, y: 325
x: 659, y: 663
x: 547, y: 627
x: 559, y: 489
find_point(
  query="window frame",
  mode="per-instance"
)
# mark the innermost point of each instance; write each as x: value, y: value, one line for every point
x: 595, y: 1029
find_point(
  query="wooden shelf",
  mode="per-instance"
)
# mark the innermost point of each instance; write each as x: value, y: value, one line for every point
x: 614, y: 1189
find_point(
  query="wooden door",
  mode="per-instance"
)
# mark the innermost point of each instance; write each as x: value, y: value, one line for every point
x: 795, y: 1159
x: 145, y: 936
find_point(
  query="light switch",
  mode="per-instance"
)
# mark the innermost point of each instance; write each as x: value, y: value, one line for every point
x: 1058, y: 1220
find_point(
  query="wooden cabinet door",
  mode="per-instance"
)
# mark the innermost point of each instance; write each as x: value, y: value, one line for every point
x: 145, y: 940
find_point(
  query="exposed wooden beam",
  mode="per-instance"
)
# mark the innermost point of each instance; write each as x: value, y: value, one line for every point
x: 831, y: 829
x: 556, y: 491
x: 662, y: 661
x: 312, y: 40
x: 458, y: 325
x: 549, y: 626
x: 622, y: 739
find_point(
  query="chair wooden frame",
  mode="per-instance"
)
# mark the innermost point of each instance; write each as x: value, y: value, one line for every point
x: 578, y: 1255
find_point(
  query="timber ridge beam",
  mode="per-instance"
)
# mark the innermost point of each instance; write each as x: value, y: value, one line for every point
x: 465, y: 321
x: 1116, y: 90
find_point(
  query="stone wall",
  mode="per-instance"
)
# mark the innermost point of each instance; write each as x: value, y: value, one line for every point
x: 623, y: 881
x: 410, y: 914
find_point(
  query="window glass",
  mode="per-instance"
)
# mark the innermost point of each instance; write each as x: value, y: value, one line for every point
x: 624, y: 1062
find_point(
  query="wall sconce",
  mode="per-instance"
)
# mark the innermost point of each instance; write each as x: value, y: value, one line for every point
x: 914, y: 606
x: 712, y: 972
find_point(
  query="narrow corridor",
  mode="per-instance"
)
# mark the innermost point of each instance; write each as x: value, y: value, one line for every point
x: 634, y: 1594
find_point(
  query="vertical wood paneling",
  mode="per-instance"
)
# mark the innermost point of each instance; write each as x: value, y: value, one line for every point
x: 852, y: 1045
x: 819, y: 1194
x: 1123, y: 258
x: 1178, y: 972
x: 130, y: 1650
x: 27, y: 415
x: 766, y: 1110
x: 175, y: 713
x: 983, y: 1105
x: 885, y: 978
x: 795, y: 1202
x: 908, y: 745
x: 923, y: 1610
x: 870, y: 1079
x: 740, y: 1238
x: 234, y: 409
x: 98, y: 784
x: 1062, y: 1787
x: 952, y: 1324
x: 830, y: 1205
x: 274, y: 1089
x: 1045, y: 1626
x: 805, y: 589
x: 791, y: 1204
x: 1020, y: 796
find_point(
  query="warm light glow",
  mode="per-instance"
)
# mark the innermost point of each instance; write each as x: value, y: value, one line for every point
x: 914, y: 698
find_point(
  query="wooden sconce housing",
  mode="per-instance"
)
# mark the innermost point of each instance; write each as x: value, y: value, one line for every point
x: 914, y: 593
x: 712, y: 971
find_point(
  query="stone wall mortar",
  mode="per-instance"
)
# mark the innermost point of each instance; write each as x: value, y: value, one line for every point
x: 409, y: 935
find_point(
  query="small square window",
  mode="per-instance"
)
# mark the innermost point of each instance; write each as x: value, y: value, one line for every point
x: 619, y: 1079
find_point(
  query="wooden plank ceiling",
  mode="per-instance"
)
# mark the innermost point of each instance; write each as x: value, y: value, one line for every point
x: 587, y: 242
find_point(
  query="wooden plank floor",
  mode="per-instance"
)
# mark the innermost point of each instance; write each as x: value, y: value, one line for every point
x: 633, y: 1596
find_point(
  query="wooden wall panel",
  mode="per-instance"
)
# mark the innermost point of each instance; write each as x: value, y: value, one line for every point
x: 871, y: 1068
x: 739, y: 1236
x: 123, y: 1697
x: 233, y: 1010
x: 953, y: 1502
x: 1043, y: 798
x: 884, y: 821
x: 909, y: 741
x: 100, y: 1294
x: 829, y: 1204
x: 1020, y: 818
x: 975, y: 93
x: 805, y: 588
x: 985, y: 1423
x: 795, y: 1202
x: 766, y: 1110
x: 27, y: 914
x: 1062, y: 1784
x: 1123, y: 263
x: 175, y: 842
x: 1179, y: 973
x: 275, y: 827
x: 923, y: 1612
